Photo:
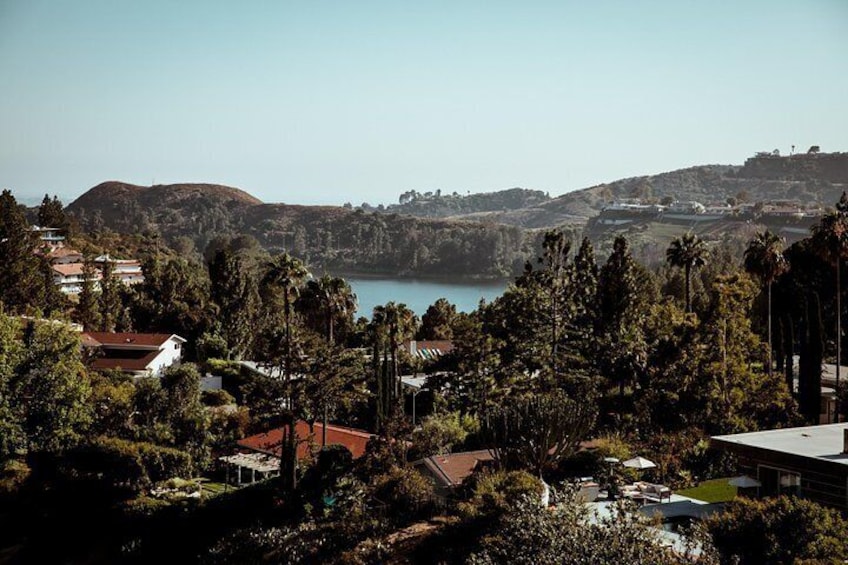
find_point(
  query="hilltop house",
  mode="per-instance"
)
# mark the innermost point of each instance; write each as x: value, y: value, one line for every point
x: 69, y: 277
x: 67, y: 265
x: 49, y: 237
x: 140, y: 355
x: 128, y: 271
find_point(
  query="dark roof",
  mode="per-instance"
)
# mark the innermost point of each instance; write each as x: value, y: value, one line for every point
x: 270, y: 442
x: 97, y: 339
x: 124, y: 363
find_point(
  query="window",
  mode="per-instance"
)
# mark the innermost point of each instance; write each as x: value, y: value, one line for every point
x: 176, y: 346
x: 778, y: 481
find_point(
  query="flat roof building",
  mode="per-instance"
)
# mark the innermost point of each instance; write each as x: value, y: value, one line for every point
x: 810, y: 461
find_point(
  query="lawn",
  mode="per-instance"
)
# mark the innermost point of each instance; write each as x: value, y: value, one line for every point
x: 211, y: 489
x: 714, y: 490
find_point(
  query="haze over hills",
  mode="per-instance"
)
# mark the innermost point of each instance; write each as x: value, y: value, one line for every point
x: 484, y: 235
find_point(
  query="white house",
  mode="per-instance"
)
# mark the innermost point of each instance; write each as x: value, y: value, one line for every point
x: 140, y: 355
x: 128, y: 271
x: 50, y: 236
x: 68, y: 266
x: 69, y: 278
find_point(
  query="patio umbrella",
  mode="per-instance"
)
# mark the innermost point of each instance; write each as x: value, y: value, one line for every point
x: 744, y: 481
x: 639, y: 463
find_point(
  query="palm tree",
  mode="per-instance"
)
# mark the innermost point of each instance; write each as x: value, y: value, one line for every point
x: 764, y: 258
x: 390, y: 326
x: 285, y: 274
x: 831, y: 238
x: 329, y: 298
x: 687, y: 252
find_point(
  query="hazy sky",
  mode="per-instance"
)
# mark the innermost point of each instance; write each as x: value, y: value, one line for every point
x: 327, y: 102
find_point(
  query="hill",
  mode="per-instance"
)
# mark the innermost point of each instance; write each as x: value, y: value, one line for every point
x: 808, y: 178
x: 438, y: 205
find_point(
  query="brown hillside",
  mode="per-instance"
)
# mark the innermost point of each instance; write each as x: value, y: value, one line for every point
x: 161, y: 194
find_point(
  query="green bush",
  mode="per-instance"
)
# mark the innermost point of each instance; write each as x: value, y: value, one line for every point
x: 211, y: 346
x: 13, y: 474
x: 785, y: 529
x: 405, y: 493
x: 216, y: 398
x: 493, y: 493
x: 442, y: 433
x: 123, y: 465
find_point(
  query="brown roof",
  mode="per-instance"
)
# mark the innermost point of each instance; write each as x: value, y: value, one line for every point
x: 68, y: 269
x: 96, y: 339
x: 271, y: 442
x: 124, y: 364
x: 62, y: 252
x: 452, y: 469
x: 443, y: 345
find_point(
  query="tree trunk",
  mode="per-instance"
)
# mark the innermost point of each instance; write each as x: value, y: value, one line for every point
x: 788, y: 346
x: 770, y: 364
x: 688, y: 277
x: 324, y: 428
x: 838, y: 330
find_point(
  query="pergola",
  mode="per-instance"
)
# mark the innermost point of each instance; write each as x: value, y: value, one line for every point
x: 265, y: 465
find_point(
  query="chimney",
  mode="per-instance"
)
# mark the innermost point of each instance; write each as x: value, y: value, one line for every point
x: 845, y: 441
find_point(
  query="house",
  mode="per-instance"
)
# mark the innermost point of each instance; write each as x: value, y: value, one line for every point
x: 809, y: 461
x: 49, y: 236
x: 260, y: 454
x: 69, y: 277
x: 449, y: 471
x: 140, y: 355
x: 271, y: 442
x: 429, y: 350
x: 67, y: 265
x: 63, y: 256
x: 128, y: 271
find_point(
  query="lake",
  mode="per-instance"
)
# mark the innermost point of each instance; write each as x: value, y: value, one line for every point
x: 419, y: 294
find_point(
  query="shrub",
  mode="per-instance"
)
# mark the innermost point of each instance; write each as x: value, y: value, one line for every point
x: 13, y: 474
x: 440, y: 433
x: 785, y: 529
x: 126, y: 466
x: 406, y: 494
x: 492, y: 494
x: 216, y: 398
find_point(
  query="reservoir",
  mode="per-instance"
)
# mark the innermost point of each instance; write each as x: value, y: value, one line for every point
x: 419, y: 294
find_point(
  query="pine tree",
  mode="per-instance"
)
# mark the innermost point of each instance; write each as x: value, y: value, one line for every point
x: 87, y: 312
x: 51, y: 214
x: 110, y: 302
x: 20, y: 283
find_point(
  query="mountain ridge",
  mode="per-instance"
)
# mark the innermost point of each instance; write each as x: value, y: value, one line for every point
x: 486, y: 235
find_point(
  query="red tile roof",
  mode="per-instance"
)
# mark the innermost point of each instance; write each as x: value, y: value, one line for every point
x: 271, y: 442
x: 452, y: 469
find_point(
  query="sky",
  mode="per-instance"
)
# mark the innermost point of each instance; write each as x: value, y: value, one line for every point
x: 321, y: 102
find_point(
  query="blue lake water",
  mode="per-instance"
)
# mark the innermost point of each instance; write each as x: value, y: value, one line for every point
x: 418, y: 294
